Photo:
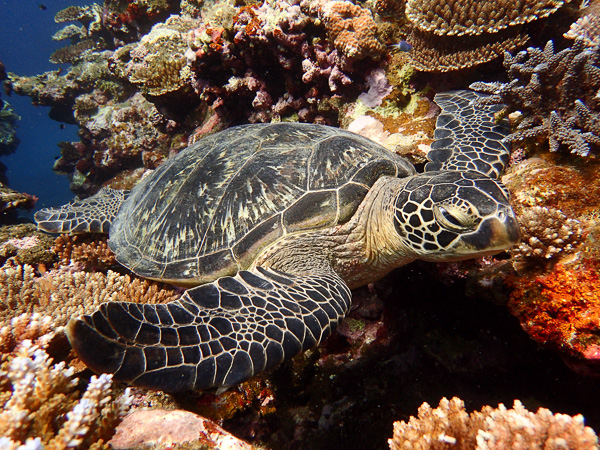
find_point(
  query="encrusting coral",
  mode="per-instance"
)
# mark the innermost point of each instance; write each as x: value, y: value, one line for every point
x: 556, y: 94
x: 452, y: 35
x: 561, y: 310
x: 450, y: 426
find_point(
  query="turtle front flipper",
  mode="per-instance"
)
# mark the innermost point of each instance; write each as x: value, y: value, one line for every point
x: 90, y: 215
x: 467, y: 136
x: 216, y: 335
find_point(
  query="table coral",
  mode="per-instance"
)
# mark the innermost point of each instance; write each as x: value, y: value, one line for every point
x: 555, y: 92
x: 454, y: 35
x: 450, y: 426
x: 561, y: 310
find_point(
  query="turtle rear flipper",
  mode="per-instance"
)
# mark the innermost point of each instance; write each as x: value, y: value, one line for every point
x: 468, y: 136
x: 216, y: 335
x: 90, y: 215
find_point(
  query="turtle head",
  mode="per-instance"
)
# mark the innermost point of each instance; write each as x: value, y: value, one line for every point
x: 452, y: 215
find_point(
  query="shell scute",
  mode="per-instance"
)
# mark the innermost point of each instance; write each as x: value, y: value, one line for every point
x: 210, y: 210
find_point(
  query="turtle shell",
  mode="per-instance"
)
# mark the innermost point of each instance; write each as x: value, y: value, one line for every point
x: 210, y: 210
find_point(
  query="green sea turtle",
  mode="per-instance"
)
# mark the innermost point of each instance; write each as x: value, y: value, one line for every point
x: 274, y: 224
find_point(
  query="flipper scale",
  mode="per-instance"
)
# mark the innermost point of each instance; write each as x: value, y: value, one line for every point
x: 91, y: 215
x: 216, y: 335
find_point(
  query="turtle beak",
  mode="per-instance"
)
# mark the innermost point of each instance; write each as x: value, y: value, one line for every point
x: 495, y: 234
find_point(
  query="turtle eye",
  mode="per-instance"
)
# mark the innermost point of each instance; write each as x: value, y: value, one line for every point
x: 453, y: 218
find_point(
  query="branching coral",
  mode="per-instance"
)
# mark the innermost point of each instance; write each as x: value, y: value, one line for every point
x: 556, y: 93
x: 42, y: 409
x: 62, y: 295
x: 452, y: 35
x: 450, y: 426
x: 84, y: 38
x: 586, y: 28
x: 89, y: 252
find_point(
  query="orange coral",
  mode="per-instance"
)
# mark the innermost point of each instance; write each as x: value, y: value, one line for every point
x: 353, y: 29
x: 562, y: 310
x: 90, y: 251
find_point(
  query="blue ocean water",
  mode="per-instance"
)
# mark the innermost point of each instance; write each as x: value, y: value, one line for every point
x: 26, y: 29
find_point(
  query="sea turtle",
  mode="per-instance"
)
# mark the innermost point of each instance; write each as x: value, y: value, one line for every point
x: 274, y: 224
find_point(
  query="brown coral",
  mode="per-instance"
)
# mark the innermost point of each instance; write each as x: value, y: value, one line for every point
x: 352, y: 29
x: 41, y: 407
x: 157, y: 64
x: 475, y: 17
x: 452, y: 35
x: 86, y: 251
x: 63, y: 295
x: 443, y: 54
x: 450, y: 426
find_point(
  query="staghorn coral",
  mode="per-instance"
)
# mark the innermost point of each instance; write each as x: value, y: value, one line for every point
x: 86, y: 251
x: 41, y: 407
x: 450, y: 426
x: 556, y: 94
x: 454, y: 35
x: 62, y: 295
x: 561, y: 310
x: 352, y: 29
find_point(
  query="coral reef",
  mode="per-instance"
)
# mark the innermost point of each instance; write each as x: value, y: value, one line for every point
x: 454, y: 35
x: 450, y: 426
x: 556, y: 94
x: 23, y: 244
x: 561, y: 310
x: 41, y: 407
x: 11, y: 199
x: 555, y: 205
x: 8, y: 128
x: 157, y: 64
